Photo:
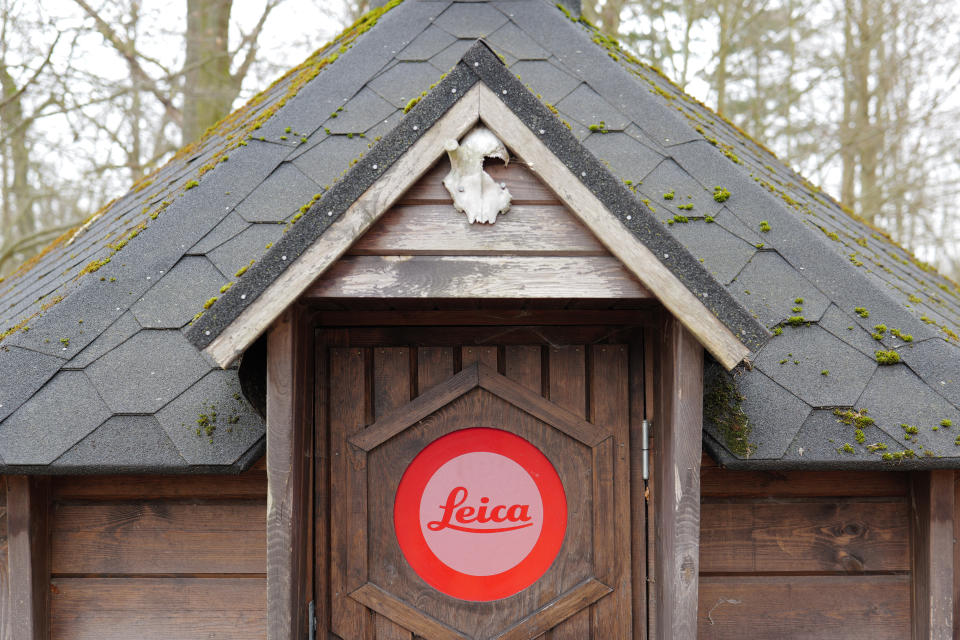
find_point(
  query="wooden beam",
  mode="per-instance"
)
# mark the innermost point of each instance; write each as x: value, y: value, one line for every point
x: 28, y: 530
x: 289, y: 467
x: 677, y: 454
x: 931, y: 525
x: 356, y: 220
x: 674, y: 295
x: 477, y: 277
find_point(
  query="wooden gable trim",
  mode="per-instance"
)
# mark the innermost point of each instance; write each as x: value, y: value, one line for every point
x: 479, y: 103
x: 638, y: 259
x: 354, y: 222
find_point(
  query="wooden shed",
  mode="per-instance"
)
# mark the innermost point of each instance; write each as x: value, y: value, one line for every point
x: 473, y: 326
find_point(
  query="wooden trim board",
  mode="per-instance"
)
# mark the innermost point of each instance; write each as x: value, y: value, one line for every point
x: 479, y: 103
x: 335, y: 241
x: 28, y: 556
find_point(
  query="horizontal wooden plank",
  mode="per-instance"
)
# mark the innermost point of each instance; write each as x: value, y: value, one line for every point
x: 252, y: 484
x: 804, y: 607
x: 477, y: 277
x: 158, y: 537
x: 161, y: 608
x: 748, y: 537
x: 524, y: 186
x: 440, y: 229
x: 717, y: 482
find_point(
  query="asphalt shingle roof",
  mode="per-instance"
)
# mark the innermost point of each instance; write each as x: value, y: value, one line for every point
x: 97, y: 322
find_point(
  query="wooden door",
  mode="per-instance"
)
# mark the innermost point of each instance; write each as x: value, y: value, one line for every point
x: 574, y: 393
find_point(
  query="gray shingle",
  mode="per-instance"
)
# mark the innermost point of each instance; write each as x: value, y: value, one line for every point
x: 123, y: 443
x: 937, y: 362
x: 822, y: 438
x: 446, y: 59
x: 512, y: 40
x: 404, y: 81
x: 897, y: 396
x: 627, y: 158
x: 473, y: 20
x: 360, y: 113
x: 226, y: 229
x: 767, y: 402
x: 545, y: 79
x: 723, y: 254
x: 432, y: 41
x: 212, y: 423
x: 587, y: 107
x: 65, y: 410
x: 147, y: 371
x: 328, y: 161
x: 117, y: 333
x: 667, y: 178
x: 172, y: 302
x: 23, y: 372
x: 248, y: 245
x: 797, y: 359
x: 774, y: 287
x: 279, y: 196
x: 845, y: 327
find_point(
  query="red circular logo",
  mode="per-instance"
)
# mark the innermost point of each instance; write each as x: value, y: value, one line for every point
x: 480, y: 514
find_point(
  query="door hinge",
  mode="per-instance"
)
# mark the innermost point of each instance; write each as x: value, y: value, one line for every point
x: 646, y: 449
x: 312, y: 620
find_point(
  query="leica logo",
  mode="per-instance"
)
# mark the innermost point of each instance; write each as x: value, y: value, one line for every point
x: 482, y: 513
x: 480, y: 481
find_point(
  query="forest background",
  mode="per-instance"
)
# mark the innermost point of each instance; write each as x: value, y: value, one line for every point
x: 861, y: 96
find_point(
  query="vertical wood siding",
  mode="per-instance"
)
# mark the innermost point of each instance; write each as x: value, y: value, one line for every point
x: 159, y: 557
x: 804, y: 555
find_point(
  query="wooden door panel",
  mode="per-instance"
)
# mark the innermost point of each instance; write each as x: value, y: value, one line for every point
x: 587, y: 589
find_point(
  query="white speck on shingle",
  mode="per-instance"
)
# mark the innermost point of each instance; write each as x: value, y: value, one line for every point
x: 504, y: 92
x: 329, y: 213
x: 454, y: 90
x: 374, y: 166
x: 542, y: 131
x: 206, y: 333
x: 283, y: 257
x: 583, y: 174
x: 629, y: 217
x: 476, y: 64
x: 666, y: 255
x: 243, y: 296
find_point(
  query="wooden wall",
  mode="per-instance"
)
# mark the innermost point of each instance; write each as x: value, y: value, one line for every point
x: 804, y: 555
x: 159, y: 557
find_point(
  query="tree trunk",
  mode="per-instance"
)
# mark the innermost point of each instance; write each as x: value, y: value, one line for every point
x: 209, y: 89
x: 17, y: 202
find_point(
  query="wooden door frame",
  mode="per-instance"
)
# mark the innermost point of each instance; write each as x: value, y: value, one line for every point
x: 677, y: 368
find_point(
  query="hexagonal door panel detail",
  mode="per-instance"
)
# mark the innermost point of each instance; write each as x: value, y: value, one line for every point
x: 479, y: 509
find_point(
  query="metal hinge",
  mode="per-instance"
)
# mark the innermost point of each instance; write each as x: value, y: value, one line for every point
x: 312, y: 620
x: 646, y: 449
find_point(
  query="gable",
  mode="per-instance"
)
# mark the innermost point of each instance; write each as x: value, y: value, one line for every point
x: 480, y: 88
x: 423, y: 247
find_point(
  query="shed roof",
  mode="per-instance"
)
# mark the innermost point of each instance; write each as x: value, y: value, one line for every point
x: 100, y: 375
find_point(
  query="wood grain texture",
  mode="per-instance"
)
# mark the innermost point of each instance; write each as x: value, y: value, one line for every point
x: 525, y: 187
x: 357, y: 219
x: 389, y: 606
x: 251, y: 484
x: 159, y: 608
x: 425, y: 276
x: 842, y: 535
x: 554, y: 612
x: 391, y: 390
x: 638, y: 503
x: 483, y: 316
x: 932, y: 522
x: 348, y: 504
x: 28, y: 556
x: 541, y: 408
x: 393, y: 422
x: 522, y: 365
x: 610, y: 406
x: 568, y: 389
x: 672, y: 293
x: 158, y: 537
x: 440, y: 229
x: 804, y: 608
x: 5, y: 611
x: 677, y: 450
x: 483, y: 355
x: 718, y: 482
x: 289, y: 468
